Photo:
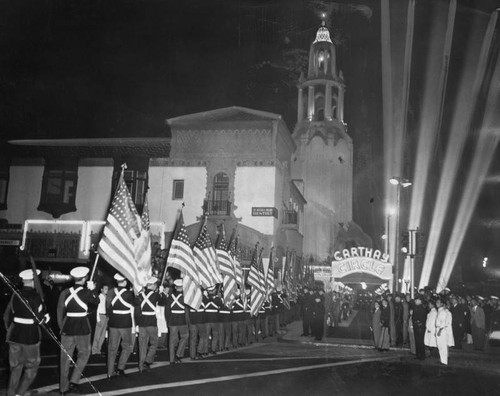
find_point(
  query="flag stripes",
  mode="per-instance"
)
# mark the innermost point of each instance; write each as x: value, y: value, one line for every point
x: 180, y: 256
x: 205, y: 258
x: 227, y: 271
x: 121, y: 231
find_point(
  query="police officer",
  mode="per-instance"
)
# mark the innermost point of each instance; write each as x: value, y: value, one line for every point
x: 120, y: 306
x: 147, y: 322
x: 24, y: 313
x: 72, y: 317
x: 175, y: 313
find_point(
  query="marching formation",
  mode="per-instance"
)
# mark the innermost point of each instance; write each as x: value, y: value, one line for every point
x: 204, y: 301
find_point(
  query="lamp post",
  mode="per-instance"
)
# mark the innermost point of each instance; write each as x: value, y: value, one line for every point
x: 404, y: 183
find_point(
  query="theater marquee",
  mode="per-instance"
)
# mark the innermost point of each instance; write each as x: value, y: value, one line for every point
x: 360, y: 259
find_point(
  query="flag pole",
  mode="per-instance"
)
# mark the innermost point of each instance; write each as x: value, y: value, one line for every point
x: 94, y: 267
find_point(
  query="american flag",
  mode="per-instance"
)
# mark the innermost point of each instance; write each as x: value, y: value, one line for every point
x: 226, y: 267
x: 143, y: 245
x: 180, y: 256
x: 121, y: 231
x: 256, y: 281
x: 233, y: 253
x: 270, y: 275
x: 205, y: 258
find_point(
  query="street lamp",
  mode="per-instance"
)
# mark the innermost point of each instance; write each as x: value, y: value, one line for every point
x: 404, y: 183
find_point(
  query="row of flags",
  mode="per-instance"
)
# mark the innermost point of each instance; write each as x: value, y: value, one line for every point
x: 126, y: 245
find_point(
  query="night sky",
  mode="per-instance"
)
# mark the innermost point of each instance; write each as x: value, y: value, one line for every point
x: 95, y: 68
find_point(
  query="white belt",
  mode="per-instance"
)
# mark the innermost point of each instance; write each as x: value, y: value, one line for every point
x: 224, y: 312
x: 121, y: 311
x: 211, y: 310
x: 24, y: 320
x: 177, y: 311
x: 76, y: 314
x: 148, y: 313
x: 238, y: 311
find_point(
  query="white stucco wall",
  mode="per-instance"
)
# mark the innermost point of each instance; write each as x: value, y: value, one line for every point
x: 23, y: 197
x: 255, y: 187
x: 161, y: 205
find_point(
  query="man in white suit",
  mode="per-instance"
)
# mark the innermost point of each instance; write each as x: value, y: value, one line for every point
x: 444, y: 331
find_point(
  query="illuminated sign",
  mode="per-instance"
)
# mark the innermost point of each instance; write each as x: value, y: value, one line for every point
x: 265, y: 212
x: 361, y: 259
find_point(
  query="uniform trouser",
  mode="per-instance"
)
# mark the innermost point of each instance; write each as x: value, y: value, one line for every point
x: 419, y: 334
x: 226, y: 335
x: 179, y: 336
x: 214, y: 328
x: 222, y: 337
x: 148, y: 342
x: 442, y: 344
x: 249, y: 335
x: 82, y: 344
x: 458, y: 335
x: 238, y: 330
x: 194, y: 331
x: 21, y: 357
x: 478, y: 337
x: 99, y: 334
x: 115, y: 337
x: 306, y: 323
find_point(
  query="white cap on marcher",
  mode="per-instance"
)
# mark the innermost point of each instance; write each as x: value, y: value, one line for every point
x: 494, y: 297
x: 119, y: 277
x: 152, y: 279
x: 79, y: 272
x: 178, y: 282
x: 28, y: 274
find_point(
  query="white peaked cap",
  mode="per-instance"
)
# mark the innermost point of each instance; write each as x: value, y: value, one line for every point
x: 119, y: 277
x: 28, y: 274
x: 178, y: 282
x: 152, y: 279
x: 79, y: 272
x: 494, y: 297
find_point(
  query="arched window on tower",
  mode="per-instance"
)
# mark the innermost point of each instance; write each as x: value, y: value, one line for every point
x: 323, y: 59
x: 320, y: 115
x: 219, y: 204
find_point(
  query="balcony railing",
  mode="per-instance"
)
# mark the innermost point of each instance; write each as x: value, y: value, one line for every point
x: 217, y: 207
x: 290, y: 217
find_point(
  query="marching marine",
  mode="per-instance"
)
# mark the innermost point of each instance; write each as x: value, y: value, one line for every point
x: 120, y: 304
x: 147, y: 322
x: 22, y: 318
x: 175, y: 313
x: 72, y: 317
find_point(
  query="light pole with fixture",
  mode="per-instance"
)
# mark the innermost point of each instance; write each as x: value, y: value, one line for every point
x: 398, y: 182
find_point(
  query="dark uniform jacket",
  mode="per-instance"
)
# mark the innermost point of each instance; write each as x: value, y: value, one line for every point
x: 27, y: 332
x: 225, y: 314
x: 460, y: 315
x: 120, y: 306
x: 238, y: 310
x: 145, y: 314
x: 175, y: 310
x: 419, y: 316
x: 72, y: 310
x: 212, y: 305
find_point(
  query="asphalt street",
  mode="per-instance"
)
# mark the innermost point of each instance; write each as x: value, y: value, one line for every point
x: 293, y: 367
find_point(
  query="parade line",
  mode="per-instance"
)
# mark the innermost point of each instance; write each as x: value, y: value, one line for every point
x: 236, y: 377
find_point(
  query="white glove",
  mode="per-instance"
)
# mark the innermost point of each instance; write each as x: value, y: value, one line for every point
x: 90, y: 285
x: 137, y: 329
x: 161, y: 289
x: 46, y: 318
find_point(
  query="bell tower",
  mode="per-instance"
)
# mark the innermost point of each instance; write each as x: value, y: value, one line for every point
x: 323, y: 162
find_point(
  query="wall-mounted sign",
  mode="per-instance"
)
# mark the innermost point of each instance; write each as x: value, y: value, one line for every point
x: 9, y: 242
x: 360, y: 259
x: 264, y: 212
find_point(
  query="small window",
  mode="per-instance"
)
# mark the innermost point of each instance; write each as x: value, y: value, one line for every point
x: 178, y: 189
x: 135, y: 176
x: 4, y: 187
x: 59, y: 182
